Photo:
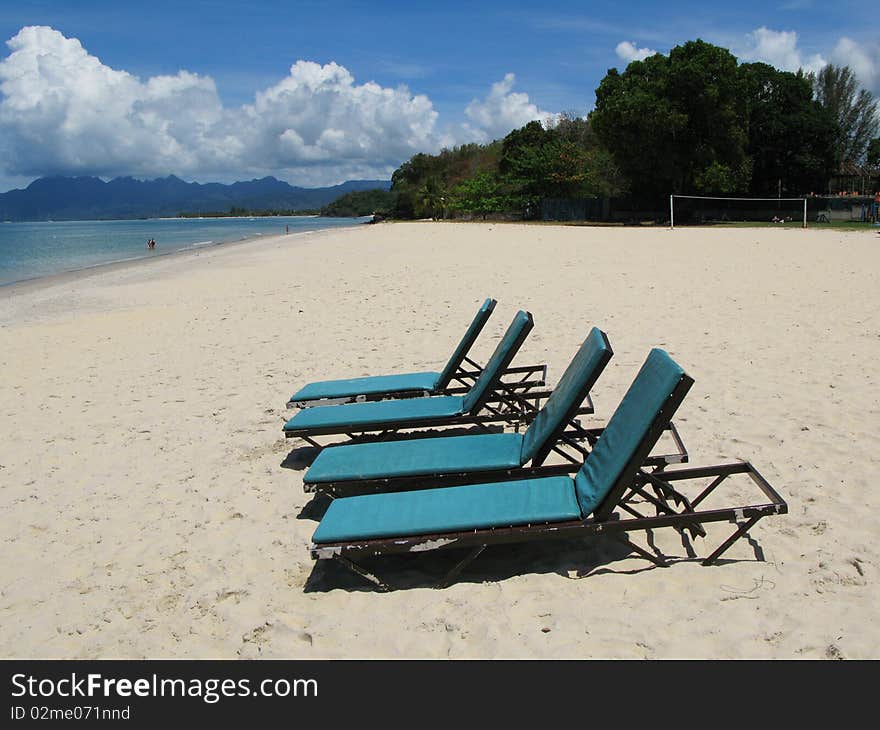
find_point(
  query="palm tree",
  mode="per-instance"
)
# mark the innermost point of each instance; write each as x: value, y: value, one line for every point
x: 432, y: 196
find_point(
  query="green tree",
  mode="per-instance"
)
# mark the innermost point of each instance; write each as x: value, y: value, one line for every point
x: 854, y: 110
x: 481, y: 194
x: 562, y: 160
x: 791, y: 137
x: 420, y: 182
x: 432, y: 196
x: 405, y: 182
x: 677, y: 123
x: 557, y: 169
x: 360, y: 203
x: 528, y: 137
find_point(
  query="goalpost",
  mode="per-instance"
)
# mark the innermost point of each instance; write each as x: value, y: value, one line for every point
x: 745, y: 201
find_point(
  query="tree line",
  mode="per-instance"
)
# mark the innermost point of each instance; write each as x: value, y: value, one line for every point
x: 354, y: 204
x: 695, y: 122
x: 238, y: 212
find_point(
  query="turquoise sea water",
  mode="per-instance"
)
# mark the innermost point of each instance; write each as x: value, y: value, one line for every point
x: 32, y: 250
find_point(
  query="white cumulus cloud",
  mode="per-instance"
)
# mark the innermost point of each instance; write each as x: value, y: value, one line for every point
x: 629, y: 51
x: 779, y: 48
x: 63, y: 111
x: 318, y: 115
x: 864, y: 60
x: 502, y: 111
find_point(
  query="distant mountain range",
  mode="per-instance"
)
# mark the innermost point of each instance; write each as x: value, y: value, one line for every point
x: 90, y: 198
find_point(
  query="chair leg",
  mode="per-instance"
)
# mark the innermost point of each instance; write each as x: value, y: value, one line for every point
x: 742, y: 530
x: 354, y: 567
x: 458, y: 567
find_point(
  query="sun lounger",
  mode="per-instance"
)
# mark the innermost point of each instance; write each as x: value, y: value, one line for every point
x: 383, y: 466
x: 454, y: 379
x: 485, y: 402
x: 612, y: 494
x: 403, y: 464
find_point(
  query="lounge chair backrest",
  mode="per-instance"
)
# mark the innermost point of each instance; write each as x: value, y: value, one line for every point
x: 631, y: 433
x: 511, y: 342
x: 466, y: 343
x: 563, y: 403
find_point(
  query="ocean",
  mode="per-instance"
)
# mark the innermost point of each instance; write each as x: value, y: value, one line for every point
x: 33, y: 250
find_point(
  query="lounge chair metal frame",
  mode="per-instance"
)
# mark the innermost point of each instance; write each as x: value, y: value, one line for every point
x: 630, y: 495
x: 531, y: 376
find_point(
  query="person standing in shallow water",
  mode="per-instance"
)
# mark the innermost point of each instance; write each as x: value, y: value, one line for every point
x: 151, y: 244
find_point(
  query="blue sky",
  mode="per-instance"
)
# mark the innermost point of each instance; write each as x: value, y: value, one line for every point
x: 172, y: 87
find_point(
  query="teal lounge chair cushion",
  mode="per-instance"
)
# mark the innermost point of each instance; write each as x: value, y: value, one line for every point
x: 466, y: 343
x: 627, y: 428
x: 412, y: 457
x: 568, y: 394
x: 375, y: 385
x: 391, y: 412
x: 449, y: 509
x: 504, y: 352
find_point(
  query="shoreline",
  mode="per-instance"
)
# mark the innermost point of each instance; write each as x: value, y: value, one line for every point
x: 41, y: 282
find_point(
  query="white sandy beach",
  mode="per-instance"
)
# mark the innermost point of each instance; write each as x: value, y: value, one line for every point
x: 145, y: 511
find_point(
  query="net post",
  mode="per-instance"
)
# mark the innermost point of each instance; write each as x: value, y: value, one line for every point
x: 671, y: 215
x: 805, y: 212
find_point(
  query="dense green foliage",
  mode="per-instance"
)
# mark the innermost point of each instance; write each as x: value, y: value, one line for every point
x: 423, y: 184
x: 696, y: 122
x: 560, y: 160
x: 675, y: 123
x: 564, y: 160
x: 693, y: 122
x: 359, y: 203
x: 791, y: 138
